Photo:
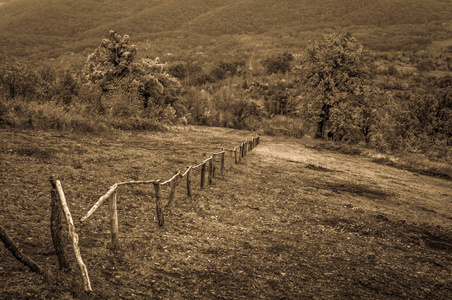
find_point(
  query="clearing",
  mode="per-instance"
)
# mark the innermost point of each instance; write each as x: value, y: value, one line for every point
x: 289, y: 222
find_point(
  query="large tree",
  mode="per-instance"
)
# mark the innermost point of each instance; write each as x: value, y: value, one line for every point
x: 113, y: 68
x: 111, y: 61
x: 335, y: 75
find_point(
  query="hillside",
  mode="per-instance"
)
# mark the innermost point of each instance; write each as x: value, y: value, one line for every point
x: 291, y: 221
x: 54, y: 28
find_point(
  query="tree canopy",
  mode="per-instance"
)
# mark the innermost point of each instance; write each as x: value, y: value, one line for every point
x: 335, y: 74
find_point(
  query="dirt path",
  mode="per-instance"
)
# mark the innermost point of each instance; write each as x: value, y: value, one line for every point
x: 375, y: 187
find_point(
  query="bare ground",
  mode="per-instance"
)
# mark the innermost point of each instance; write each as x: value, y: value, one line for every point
x: 289, y: 222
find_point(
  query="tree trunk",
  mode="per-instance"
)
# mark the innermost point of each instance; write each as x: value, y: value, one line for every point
x: 324, y: 116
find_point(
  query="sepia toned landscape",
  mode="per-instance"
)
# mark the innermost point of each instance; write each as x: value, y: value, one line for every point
x: 233, y: 149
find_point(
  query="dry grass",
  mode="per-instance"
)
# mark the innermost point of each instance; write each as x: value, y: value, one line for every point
x: 289, y: 222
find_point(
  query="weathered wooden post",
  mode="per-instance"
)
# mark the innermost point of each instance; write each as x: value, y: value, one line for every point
x: 235, y: 156
x: 189, y: 191
x: 203, y: 174
x: 210, y: 176
x: 173, y: 189
x: 114, y: 221
x: 56, y: 228
x: 74, y: 237
x: 213, y: 166
x: 222, y: 163
x: 158, y: 203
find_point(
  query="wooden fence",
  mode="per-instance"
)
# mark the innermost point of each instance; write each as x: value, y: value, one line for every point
x: 59, y: 205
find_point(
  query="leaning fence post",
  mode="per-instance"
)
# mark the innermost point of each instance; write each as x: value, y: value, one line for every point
x: 56, y: 228
x: 114, y: 221
x: 172, y: 191
x: 158, y: 203
x: 189, y: 192
x: 74, y: 238
x: 203, y: 174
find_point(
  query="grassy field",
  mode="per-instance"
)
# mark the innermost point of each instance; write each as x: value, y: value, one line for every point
x: 292, y: 221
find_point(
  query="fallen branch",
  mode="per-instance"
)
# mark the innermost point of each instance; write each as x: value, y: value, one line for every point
x: 12, y: 247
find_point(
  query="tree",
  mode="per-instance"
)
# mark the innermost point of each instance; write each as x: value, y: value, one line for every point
x: 111, y: 61
x: 113, y: 68
x: 17, y: 80
x: 279, y: 64
x: 243, y: 109
x: 335, y: 75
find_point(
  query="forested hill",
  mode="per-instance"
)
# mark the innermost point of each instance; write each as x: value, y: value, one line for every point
x: 51, y: 28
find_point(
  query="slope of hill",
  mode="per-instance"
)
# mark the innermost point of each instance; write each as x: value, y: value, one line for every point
x: 291, y: 221
x: 52, y: 28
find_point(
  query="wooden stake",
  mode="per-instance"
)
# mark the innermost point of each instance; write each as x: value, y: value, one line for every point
x: 240, y: 152
x: 203, y: 174
x: 214, y: 167
x: 172, y: 191
x: 235, y: 156
x: 56, y: 228
x: 222, y: 163
x: 74, y: 237
x: 189, y: 191
x: 210, y: 176
x: 114, y: 221
x: 12, y: 247
x: 158, y: 204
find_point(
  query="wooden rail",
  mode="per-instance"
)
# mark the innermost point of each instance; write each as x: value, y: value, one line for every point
x: 207, y: 166
x: 58, y: 207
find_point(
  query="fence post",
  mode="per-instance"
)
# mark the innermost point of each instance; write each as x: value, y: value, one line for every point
x: 235, y: 156
x: 114, y: 221
x: 158, y: 203
x: 172, y: 191
x: 213, y: 166
x: 189, y: 192
x: 203, y: 174
x: 210, y: 176
x: 56, y: 228
x: 74, y: 237
x: 222, y: 163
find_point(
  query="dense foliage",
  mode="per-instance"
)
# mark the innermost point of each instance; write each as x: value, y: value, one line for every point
x: 336, y: 74
x: 334, y: 87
